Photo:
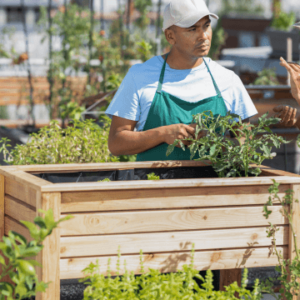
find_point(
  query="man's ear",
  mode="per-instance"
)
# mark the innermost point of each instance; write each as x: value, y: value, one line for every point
x: 170, y: 35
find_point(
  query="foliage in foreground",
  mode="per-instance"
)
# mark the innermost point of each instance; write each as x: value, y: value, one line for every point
x: 289, y: 269
x: 83, y: 142
x: 153, y: 285
x: 252, y: 144
x: 18, y: 265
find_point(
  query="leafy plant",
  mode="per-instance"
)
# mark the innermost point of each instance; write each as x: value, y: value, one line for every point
x: 18, y: 265
x: 284, y: 21
x: 83, y: 142
x: 267, y: 77
x: 152, y: 176
x: 289, y: 268
x: 105, y: 180
x: 153, y: 285
x: 232, y: 157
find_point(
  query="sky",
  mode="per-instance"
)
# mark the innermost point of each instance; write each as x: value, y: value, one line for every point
x: 288, y: 5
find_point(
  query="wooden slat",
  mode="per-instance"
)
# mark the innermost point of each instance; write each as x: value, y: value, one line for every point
x: 170, y: 241
x: 165, y: 198
x: 1, y: 206
x: 49, y: 257
x: 12, y: 225
x: 20, y: 191
x: 163, y: 184
x: 230, y: 276
x: 71, y: 268
x: 268, y: 171
x: 23, y: 178
x: 18, y: 211
x: 170, y: 220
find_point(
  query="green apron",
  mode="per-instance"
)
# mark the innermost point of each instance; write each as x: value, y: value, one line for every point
x: 167, y: 110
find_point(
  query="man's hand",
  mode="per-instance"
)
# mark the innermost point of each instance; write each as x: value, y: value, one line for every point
x: 287, y: 115
x: 294, y: 71
x: 178, y: 132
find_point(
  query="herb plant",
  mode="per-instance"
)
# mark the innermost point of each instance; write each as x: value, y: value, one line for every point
x: 232, y: 157
x: 289, y: 269
x: 18, y: 265
x: 153, y: 285
x: 152, y: 176
x: 83, y: 142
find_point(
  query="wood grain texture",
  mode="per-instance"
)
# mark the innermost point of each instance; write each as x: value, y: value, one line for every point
x: 165, y: 184
x: 268, y: 171
x: 18, y: 211
x: 13, y: 225
x: 29, y: 180
x: 49, y: 257
x: 230, y: 276
x: 20, y: 191
x: 169, y: 241
x: 165, y: 198
x: 170, y: 220
x: 71, y: 268
x: 2, y: 222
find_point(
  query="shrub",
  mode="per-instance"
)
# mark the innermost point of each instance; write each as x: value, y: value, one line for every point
x: 154, y: 286
x: 83, y: 142
x: 18, y: 251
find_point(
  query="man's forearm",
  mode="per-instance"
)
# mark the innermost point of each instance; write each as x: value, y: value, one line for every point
x: 133, y: 142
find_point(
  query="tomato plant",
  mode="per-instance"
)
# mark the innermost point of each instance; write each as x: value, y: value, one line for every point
x: 232, y: 157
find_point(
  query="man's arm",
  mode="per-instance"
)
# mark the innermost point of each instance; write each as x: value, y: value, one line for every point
x: 123, y: 140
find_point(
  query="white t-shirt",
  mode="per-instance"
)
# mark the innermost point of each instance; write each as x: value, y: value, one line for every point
x: 136, y: 93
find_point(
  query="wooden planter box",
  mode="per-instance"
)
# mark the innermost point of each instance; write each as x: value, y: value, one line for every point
x: 221, y: 216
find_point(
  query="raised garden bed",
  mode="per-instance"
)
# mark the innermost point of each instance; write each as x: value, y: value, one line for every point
x: 221, y: 216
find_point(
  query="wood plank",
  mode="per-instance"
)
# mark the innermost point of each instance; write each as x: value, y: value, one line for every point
x: 169, y: 241
x: 71, y: 268
x: 18, y: 211
x: 230, y: 276
x: 49, y: 257
x: 169, y: 220
x: 111, y: 166
x: 13, y: 225
x: 163, y: 184
x: 165, y: 198
x: 294, y: 244
x: 20, y: 191
x: 2, y: 222
x: 268, y: 171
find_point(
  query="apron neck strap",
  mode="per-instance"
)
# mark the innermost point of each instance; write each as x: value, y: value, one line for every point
x: 162, y: 75
x: 212, y: 77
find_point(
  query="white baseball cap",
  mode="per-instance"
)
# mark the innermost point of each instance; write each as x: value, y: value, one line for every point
x: 185, y: 13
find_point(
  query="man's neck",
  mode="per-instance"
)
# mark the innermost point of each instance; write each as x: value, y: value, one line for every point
x: 179, y: 61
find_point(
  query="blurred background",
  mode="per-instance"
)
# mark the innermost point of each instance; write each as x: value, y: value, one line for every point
x: 62, y: 59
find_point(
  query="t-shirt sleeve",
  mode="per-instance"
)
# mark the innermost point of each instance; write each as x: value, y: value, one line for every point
x: 125, y: 104
x: 242, y: 104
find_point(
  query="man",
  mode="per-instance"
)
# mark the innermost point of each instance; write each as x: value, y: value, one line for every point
x: 156, y: 101
x: 287, y: 113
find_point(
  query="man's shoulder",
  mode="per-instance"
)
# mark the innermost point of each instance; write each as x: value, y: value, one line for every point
x: 216, y: 67
x: 153, y: 65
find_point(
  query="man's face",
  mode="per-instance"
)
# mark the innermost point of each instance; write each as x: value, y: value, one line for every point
x: 194, y: 41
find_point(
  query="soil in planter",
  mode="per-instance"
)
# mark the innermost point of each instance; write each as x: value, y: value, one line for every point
x: 133, y: 174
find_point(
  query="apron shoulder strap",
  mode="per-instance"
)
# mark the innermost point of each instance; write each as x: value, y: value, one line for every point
x: 212, y: 77
x: 162, y: 75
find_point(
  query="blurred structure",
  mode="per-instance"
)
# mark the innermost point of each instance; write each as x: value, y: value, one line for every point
x: 11, y: 12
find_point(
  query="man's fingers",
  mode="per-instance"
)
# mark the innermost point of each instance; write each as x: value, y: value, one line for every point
x: 295, y: 68
x: 283, y: 63
x: 286, y: 119
x: 284, y: 113
x: 190, y: 130
x: 278, y: 108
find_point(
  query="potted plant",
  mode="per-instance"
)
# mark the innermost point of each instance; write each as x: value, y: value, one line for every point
x: 281, y: 30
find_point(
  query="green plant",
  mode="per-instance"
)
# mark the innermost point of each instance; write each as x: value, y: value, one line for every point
x: 267, y: 77
x: 284, y: 21
x: 105, y: 180
x: 289, y: 268
x: 18, y: 265
x: 232, y: 157
x: 153, y: 285
x: 152, y: 176
x: 83, y: 142
x: 145, y: 50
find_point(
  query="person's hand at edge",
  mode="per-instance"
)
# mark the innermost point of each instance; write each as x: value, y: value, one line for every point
x: 294, y: 71
x: 287, y: 114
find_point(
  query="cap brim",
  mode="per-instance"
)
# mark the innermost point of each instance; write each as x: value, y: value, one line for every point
x: 192, y: 20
